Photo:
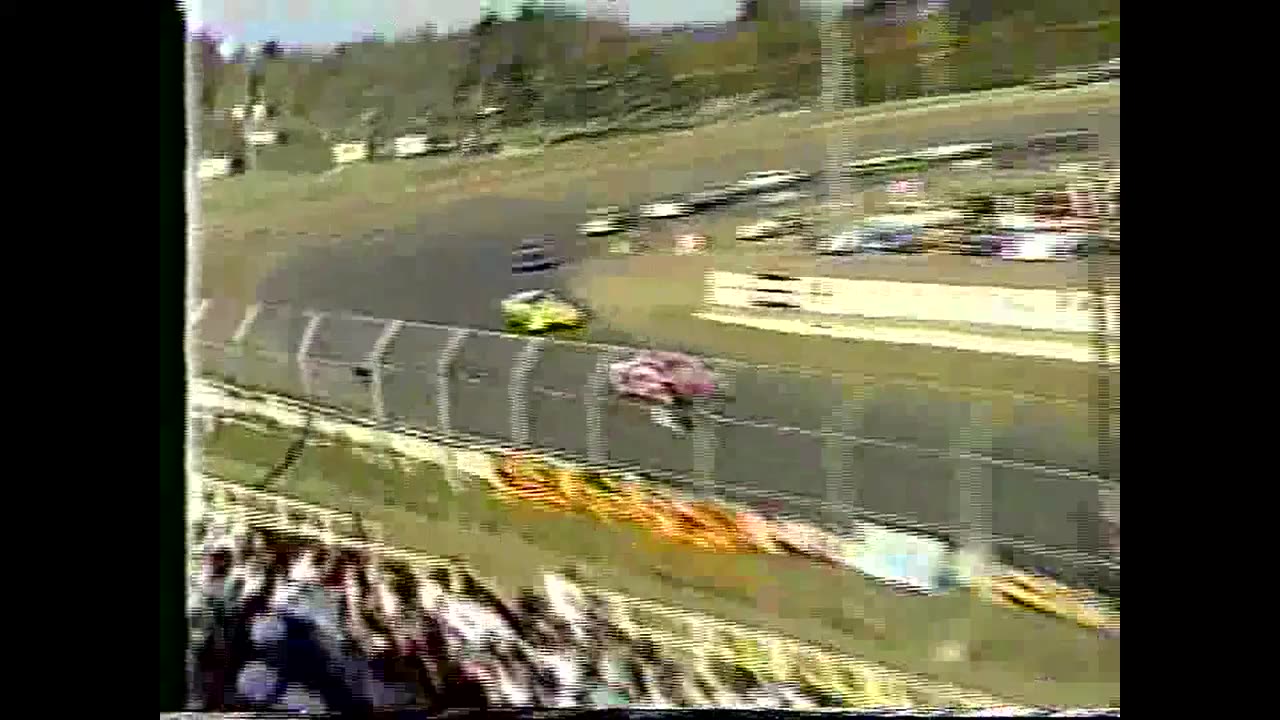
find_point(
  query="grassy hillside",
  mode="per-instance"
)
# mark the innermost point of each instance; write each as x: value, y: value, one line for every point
x: 557, y: 70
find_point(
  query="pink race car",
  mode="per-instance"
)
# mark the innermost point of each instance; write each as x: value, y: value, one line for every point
x: 662, y: 377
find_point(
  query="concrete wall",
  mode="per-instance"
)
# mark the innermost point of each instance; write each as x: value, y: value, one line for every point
x: 1054, y: 310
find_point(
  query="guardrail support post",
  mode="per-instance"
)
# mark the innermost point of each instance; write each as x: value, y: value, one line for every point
x: 518, y: 389
x: 972, y: 487
x: 304, y: 347
x: 444, y: 418
x: 839, y: 458
x: 374, y: 361
x: 704, y: 448
x: 1109, y: 502
x: 973, y: 480
x: 596, y: 400
x: 197, y: 314
x: 246, y: 323
x: 242, y: 331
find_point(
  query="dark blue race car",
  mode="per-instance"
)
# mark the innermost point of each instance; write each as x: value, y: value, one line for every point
x: 533, y: 255
x: 891, y: 239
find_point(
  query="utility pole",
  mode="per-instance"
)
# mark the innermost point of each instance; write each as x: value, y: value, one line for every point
x: 252, y: 89
x: 837, y: 94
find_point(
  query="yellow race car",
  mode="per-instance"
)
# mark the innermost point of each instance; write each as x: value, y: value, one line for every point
x: 540, y: 311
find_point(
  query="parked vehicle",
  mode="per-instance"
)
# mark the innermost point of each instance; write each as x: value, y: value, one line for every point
x: 1044, y: 247
x: 690, y: 244
x: 606, y: 221
x: 769, y: 179
x: 712, y: 196
x: 759, y: 230
x: 951, y: 153
x: 984, y: 244
x: 1062, y: 141
x: 781, y: 224
x: 888, y: 164
x: 780, y: 197
x: 600, y: 226
x: 666, y: 208
x: 888, y: 237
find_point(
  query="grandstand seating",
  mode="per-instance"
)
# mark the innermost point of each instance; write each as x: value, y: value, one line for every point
x: 286, y: 621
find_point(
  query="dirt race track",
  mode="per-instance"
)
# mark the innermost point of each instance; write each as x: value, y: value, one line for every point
x: 455, y: 266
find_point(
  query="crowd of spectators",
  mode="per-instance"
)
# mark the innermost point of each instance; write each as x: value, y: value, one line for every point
x: 285, y: 622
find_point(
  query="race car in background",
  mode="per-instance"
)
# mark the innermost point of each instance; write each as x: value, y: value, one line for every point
x: 605, y: 221
x: 780, y: 197
x: 766, y: 228
x: 889, y: 164
x: 876, y: 235
x: 672, y: 207
x: 840, y: 243
x: 669, y: 382
x: 540, y: 311
x: 711, y: 196
x: 1062, y: 141
x: 690, y: 243
x: 770, y: 179
x: 942, y: 154
x: 600, y: 226
x: 1044, y: 246
x: 533, y: 255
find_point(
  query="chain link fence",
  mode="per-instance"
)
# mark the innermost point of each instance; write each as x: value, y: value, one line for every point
x: 823, y: 449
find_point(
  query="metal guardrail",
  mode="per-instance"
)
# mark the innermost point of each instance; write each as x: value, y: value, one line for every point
x: 762, y: 448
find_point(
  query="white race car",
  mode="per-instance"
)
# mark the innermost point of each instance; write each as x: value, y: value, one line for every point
x: 668, y: 208
x: 769, y: 179
x: 760, y: 230
x: 601, y: 226
x: 848, y: 241
x: 690, y: 244
x: 780, y: 197
x: 780, y: 224
x: 951, y: 153
x: 1044, y: 246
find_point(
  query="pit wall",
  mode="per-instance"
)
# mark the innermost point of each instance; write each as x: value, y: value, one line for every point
x: 1045, y: 310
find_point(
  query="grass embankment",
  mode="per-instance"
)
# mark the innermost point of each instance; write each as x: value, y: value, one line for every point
x: 1018, y: 655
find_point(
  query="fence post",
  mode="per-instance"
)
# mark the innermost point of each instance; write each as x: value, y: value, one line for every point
x: 972, y: 488
x: 374, y: 361
x: 704, y: 447
x: 444, y: 418
x: 197, y: 314
x: 242, y: 331
x: 250, y: 315
x: 304, y: 347
x: 597, y: 395
x: 844, y: 424
x: 1109, y: 501
x: 518, y: 388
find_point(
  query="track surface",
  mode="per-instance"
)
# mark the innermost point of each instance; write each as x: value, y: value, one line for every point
x: 454, y: 267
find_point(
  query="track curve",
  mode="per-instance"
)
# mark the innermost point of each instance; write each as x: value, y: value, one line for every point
x: 452, y: 268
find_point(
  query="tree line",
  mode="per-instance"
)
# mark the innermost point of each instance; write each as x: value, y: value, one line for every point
x: 551, y: 65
